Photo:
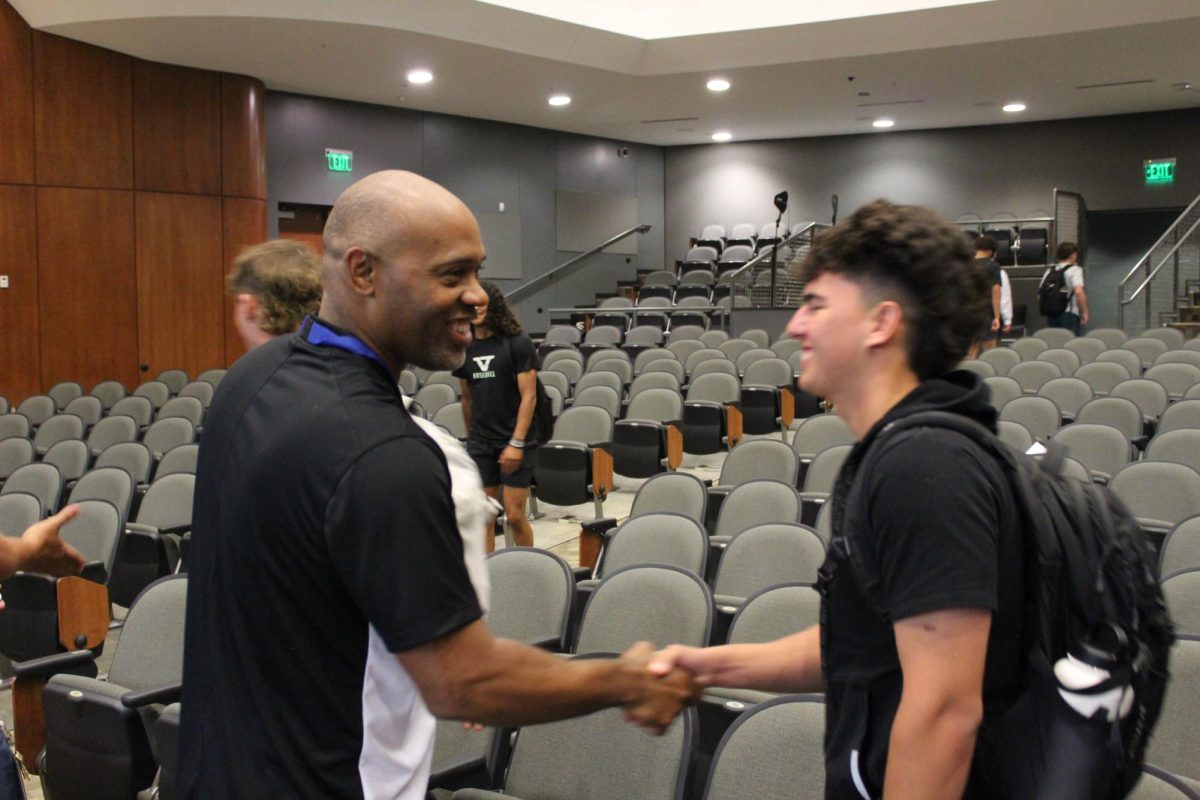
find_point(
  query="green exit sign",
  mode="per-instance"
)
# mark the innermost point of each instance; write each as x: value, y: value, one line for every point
x: 1160, y: 171
x: 339, y: 160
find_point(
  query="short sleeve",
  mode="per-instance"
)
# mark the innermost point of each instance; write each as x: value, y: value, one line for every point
x: 523, y: 354
x: 391, y: 532
x: 994, y: 274
x: 461, y: 371
x: 934, y: 513
x: 1076, y: 276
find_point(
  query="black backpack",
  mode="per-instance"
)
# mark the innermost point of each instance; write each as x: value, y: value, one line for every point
x: 1052, y: 292
x: 1093, y: 591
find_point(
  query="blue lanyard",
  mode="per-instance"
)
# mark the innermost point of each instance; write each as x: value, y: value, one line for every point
x: 319, y: 334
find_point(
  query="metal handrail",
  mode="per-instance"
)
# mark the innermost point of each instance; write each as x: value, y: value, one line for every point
x: 546, y: 277
x: 1161, y: 264
x: 766, y: 254
x: 1155, y: 246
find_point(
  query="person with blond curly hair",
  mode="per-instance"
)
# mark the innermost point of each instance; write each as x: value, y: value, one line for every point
x: 274, y: 286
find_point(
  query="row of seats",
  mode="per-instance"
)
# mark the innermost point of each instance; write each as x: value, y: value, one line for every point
x: 1021, y: 246
x: 745, y: 234
x: 68, y: 396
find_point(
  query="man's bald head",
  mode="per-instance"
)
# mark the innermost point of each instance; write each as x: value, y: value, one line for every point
x: 400, y: 264
x: 382, y: 214
x: 379, y: 212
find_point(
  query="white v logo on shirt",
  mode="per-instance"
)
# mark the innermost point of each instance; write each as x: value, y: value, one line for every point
x: 483, y: 362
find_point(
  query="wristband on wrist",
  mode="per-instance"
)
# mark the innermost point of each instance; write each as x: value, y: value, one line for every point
x: 517, y: 443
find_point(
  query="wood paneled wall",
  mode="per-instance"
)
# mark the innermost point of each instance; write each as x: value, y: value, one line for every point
x: 126, y: 189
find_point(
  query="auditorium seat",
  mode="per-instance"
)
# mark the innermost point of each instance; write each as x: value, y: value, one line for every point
x: 575, y: 466
x: 657, y: 604
x: 1181, y: 548
x: 43, y: 481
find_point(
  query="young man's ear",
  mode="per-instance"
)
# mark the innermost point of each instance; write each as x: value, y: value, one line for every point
x: 887, y: 318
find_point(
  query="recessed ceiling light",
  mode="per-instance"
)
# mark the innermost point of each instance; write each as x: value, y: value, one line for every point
x: 718, y: 85
x: 420, y: 76
x: 559, y: 99
x: 1013, y: 108
x: 722, y: 136
x: 884, y: 123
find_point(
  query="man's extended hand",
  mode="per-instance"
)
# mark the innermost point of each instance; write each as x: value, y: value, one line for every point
x: 510, y: 459
x: 45, y: 551
x: 678, y: 656
x: 662, y: 696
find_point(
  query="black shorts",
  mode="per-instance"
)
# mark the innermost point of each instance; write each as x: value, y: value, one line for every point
x: 487, y: 457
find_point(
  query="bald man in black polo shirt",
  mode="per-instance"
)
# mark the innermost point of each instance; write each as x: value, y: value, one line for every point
x: 330, y: 610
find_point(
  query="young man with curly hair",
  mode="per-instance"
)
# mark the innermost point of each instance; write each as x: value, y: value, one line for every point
x: 499, y: 395
x: 918, y: 648
x: 274, y: 286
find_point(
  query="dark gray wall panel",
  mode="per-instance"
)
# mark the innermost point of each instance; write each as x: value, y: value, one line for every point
x: 585, y: 220
x: 485, y: 163
x: 983, y: 171
x: 299, y: 128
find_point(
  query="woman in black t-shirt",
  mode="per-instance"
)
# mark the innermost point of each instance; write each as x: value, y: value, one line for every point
x: 499, y: 395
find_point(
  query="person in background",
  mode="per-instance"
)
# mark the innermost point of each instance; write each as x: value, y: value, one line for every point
x: 499, y: 395
x: 274, y: 286
x: 1075, y: 318
x: 985, y: 260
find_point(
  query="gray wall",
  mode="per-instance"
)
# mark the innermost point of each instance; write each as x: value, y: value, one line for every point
x: 983, y: 171
x: 485, y: 163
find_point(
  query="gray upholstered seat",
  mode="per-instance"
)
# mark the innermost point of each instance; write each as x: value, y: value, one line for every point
x: 1001, y: 389
x: 1182, y: 593
x: 1181, y: 549
x: 1068, y: 394
x: 753, y: 503
x: 1102, y: 376
x: 596, y: 757
x: 1040, y: 415
x: 1176, y: 739
x: 656, y: 604
x: 41, y: 480
x: 1159, y: 494
x: 93, y: 740
x: 133, y: 457
x: 1102, y: 449
x: 14, y: 452
x: 775, y: 749
x: 763, y: 556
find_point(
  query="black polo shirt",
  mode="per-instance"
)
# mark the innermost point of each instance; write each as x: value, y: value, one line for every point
x: 324, y: 540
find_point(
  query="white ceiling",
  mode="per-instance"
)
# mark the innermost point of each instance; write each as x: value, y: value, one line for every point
x: 943, y: 66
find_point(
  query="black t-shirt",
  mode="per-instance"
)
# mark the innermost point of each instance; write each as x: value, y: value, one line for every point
x: 323, y: 522
x: 991, y: 273
x: 491, y: 370
x: 938, y: 526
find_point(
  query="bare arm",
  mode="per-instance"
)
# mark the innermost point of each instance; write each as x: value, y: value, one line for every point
x: 790, y: 664
x: 527, y: 386
x: 942, y: 656
x: 472, y: 675
x: 511, y: 457
x: 996, y: 307
x: 1081, y: 297
x: 466, y: 402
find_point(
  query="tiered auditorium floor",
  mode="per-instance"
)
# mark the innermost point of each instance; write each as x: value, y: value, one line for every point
x: 557, y: 531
